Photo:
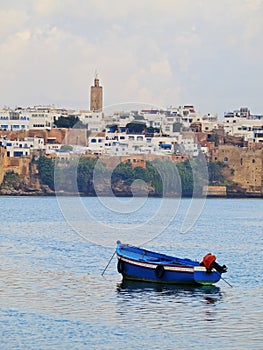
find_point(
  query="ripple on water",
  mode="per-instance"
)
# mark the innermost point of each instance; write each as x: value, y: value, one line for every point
x: 52, y: 293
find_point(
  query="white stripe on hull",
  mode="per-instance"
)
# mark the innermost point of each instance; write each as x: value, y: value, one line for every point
x: 166, y: 267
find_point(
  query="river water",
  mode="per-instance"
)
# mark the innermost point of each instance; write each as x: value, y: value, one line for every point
x: 53, y: 251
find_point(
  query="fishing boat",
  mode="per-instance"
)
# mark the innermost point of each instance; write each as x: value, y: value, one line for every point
x: 139, y: 264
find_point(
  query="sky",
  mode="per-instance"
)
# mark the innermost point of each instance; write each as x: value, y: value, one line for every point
x: 164, y: 53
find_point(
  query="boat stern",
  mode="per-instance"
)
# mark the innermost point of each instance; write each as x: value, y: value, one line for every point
x: 204, y: 277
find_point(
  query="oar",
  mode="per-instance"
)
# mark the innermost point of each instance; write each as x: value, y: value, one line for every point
x: 108, y: 263
x: 226, y: 282
x: 224, y: 279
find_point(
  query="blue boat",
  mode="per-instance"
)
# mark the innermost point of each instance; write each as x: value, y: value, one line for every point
x: 139, y: 264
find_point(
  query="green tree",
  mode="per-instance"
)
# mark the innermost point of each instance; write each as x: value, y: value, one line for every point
x: 123, y: 172
x: 66, y: 148
x: 68, y: 122
x: 154, y: 178
x: 151, y: 130
x: 12, y: 180
x: 186, y: 175
x: 136, y: 128
x: 177, y: 127
x: 215, y: 172
x: 46, y: 168
x: 85, y: 175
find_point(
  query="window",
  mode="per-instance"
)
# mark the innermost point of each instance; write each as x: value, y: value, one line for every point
x: 225, y: 159
x: 18, y: 154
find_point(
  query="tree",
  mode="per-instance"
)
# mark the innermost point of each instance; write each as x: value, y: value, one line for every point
x: 215, y: 172
x: 12, y: 180
x: 68, y: 122
x: 186, y: 175
x: 177, y: 127
x: 151, y: 130
x: 136, y: 128
x: 85, y: 175
x: 66, y: 148
x: 46, y: 169
x: 123, y: 172
x: 154, y: 178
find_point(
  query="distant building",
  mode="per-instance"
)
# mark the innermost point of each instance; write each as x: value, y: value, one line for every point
x: 96, y: 95
x: 14, y: 120
x: 241, y: 123
x: 21, y: 148
x: 94, y: 121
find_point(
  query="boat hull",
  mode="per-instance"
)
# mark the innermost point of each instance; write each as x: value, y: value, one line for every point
x: 136, y: 269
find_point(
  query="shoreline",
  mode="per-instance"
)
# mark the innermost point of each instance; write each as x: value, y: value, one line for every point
x: 53, y: 194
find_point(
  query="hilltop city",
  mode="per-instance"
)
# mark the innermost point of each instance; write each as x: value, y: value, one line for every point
x: 135, y: 137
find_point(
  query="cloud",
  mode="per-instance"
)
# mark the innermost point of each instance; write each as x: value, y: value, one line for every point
x: 46, y: 7
x: 169, y: 52
x: 11, y: 21
x: 25, y: 35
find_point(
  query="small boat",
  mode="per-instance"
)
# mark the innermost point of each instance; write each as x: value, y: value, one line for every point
x: 139, y: 264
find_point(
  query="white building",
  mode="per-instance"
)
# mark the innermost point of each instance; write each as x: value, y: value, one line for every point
x: 41, y: 117
x: 22, y: 148
x: 153, y: 118
x: 52, y: 148
x: 186, y: 116
x: 94, y: 121
x: 258, y: 134
x: 13, y: 120
x: 118, y: 144
x: 241, y: 123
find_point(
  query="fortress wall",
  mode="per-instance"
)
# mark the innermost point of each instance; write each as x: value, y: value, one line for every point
x: 247, y: 165
x: 2, y: 162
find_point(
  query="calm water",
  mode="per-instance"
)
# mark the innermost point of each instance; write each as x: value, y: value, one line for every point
x: 52, y: 294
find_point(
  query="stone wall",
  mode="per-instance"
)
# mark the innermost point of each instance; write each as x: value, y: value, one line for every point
x: 2, y: 164
x: 58, y: 135
x: 214, y: 191
x: 139, y: 159
x: 19, y: 165
x: 246, y: 163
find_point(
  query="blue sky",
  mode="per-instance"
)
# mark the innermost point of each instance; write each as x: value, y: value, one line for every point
x: 169, y: 52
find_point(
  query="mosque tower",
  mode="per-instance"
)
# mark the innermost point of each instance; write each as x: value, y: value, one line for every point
x: 96, y: 95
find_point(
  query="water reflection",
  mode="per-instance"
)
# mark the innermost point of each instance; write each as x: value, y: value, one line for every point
x: 133, y: 289
x: 169, y: 306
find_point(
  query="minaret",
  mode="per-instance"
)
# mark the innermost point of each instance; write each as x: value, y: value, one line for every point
x: 96, y: 95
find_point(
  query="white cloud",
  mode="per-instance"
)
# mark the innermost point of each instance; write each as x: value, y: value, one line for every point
x: 45, y: 7
x: 255, y: 4
x: 11, y: 21
x: 25, y: 35
x: 144, y: 50
x: 161, y: 69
